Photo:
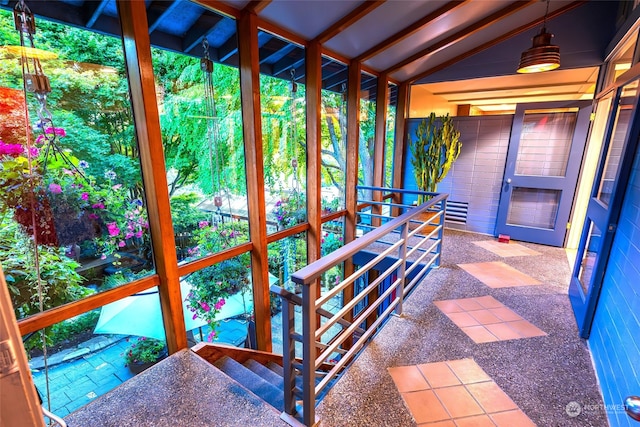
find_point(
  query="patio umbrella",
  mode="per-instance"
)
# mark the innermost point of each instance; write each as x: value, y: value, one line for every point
x: 140, y: 314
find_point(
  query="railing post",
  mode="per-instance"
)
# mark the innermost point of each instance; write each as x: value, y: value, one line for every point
x: 443, y: 209
x: 309, y: 352
x: 402, y: 254
x: 288, y: 355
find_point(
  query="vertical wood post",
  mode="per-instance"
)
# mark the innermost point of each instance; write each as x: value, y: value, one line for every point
x: 401, y: 142
x: 382, y: 104
x: 137, y: 52
x: 252, y: 128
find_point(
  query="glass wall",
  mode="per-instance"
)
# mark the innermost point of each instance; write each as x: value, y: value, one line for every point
x: 334, y: 135
x: 366, y: 139
x: 72, y: 208
x: 390, y: 136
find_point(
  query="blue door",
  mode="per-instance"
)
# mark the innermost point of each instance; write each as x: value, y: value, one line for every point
x: 618, y: 148
x: 543, y: 162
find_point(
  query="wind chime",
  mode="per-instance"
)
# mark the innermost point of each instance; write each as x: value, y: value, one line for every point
x: 206, y: 64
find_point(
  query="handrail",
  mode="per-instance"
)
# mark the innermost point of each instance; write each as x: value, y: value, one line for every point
x: 411, y: 247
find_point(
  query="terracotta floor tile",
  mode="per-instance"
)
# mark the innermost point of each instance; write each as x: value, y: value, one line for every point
x: 458, y: 401
x: 439, y: 374
x: 475, y: 421
x: 511, y: 419
x: 468, y: 371
x: 505, y: 314
x: 526, y: 329
x: 463, y: 319
x: 479, y: 334
x: 503, y: 332
x: 448, y: 306
x: 447, y: 423
x: 489, y: 302
x: 425, y: 406
x: 498, y: 275
x: 491, y: 397
x: 469, y: 304
x: 506, y: 249
x: 484, y: 317
x: 408, y: 378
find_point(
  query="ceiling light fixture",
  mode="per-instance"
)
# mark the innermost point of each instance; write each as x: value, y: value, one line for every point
x: 542, y: 56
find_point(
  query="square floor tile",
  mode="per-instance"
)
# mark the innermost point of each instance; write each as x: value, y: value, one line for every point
x: 479, y: 334
x: 408, y: 378
x: 491, y: 397
x: 458, y: 401
x: 511, y: 419
x: 484, y: 316
x: 463, y: 319
x: 498, y: 275
x: 439, y: 374
x: 506, y: 314
x: 447, y: 423
x: 505, y: 250
x: 425, y: 406
x: 526, y: 329
x: 488, y: 301
x: 475, y: 421
x: 468, y: 371
x: 448, y: 306
x: 469, y: 304
x: 503, y: 332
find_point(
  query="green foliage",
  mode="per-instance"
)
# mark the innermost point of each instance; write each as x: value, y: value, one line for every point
x: 144, y: 350
x: 433, y: 151
x: 186, y: 216
x: 59, y: 283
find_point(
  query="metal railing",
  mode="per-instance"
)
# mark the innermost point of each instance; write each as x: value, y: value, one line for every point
x: 401, y: 250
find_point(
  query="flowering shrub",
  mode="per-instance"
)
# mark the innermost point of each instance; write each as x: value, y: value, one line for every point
x: 144, y: 350
x: 68, y: 205
x: 290, y: 211
x: 210, y: 286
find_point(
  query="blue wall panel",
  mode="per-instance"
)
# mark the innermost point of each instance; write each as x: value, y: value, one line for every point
x: 615, y: 335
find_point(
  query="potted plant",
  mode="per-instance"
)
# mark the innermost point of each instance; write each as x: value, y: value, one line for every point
x: 436, y: 147
x: 143, y: 353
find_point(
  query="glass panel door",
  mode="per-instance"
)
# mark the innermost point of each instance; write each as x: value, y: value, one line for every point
x: 603, y: 210
x: 543, y: 162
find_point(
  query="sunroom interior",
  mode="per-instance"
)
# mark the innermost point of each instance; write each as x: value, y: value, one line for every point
x: 205, y: 169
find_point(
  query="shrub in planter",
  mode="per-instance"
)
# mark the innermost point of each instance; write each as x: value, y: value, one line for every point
x: 143, y: 353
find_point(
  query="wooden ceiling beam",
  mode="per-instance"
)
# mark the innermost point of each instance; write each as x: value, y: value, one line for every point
x: 497, y: 40
x: 218, y: 6
x: 161, y: 16
x: 463, y: 34
x: 441, y: 12
x: 352, y: 17
x: 256, y: 6
x: 94, y: 10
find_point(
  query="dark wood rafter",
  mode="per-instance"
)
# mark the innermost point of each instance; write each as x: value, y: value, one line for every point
x: 204, y: 26
x: 382, y: 102
x: 252, y: 128
x: 137, y: 52
x: 93, y: 12
x: 256, y: 6
x: 533, y: 24
x: 218, y: 6
x: 441, y: 12
x: 228, y: 48
x: 336, y: 80
x: 273, y: 48
x: 400, y: 141
x: 463, y: 34
x: 154, y: 22
x: 352, y: 17
x: 286, y: 64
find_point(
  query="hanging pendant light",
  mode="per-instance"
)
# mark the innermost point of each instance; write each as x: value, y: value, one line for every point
x: 542, y: 56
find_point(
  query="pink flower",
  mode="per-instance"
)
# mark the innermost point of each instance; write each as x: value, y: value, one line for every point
x: 113, y: 229
x: 58, y: 131
x: 93, y: 216
x: 211, y: 336
x: 98, y: 205
x: 11, y: 149
x: 128, y: 235
x: 55, y: 188
x: 117, y: 187
x: 194, y: 316
x: 85, y: 196
x: 203, y: 224
x: 205, y: 306
x: 40, y: 139
x: 103, y: 256
x: 220, y: 303
x: 139, y: 234
x: 121, y: 244
x: 34, y: 151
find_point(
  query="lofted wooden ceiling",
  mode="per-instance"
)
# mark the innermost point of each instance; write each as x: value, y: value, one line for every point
x: 413, y: 41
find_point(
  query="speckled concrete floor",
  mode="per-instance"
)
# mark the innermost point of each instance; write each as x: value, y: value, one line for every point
x: 542, y: 374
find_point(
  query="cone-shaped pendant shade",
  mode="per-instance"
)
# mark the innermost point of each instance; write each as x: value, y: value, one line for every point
x: 542, y: 56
